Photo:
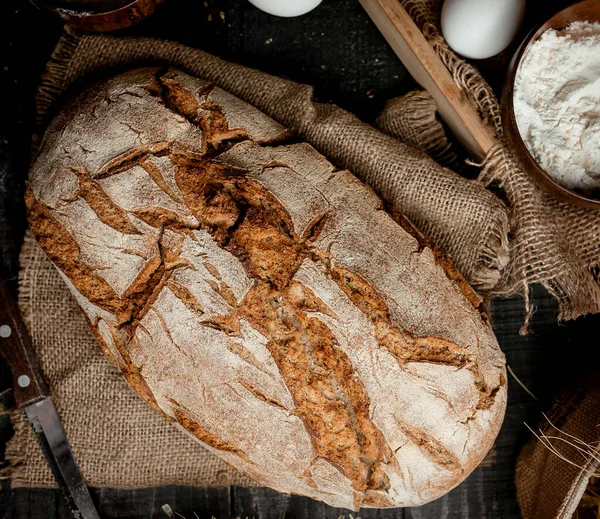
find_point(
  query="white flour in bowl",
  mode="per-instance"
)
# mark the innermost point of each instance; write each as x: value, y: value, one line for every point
x: 557, y: 104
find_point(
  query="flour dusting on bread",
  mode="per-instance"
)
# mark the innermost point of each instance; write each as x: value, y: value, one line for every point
x: 263, y: 300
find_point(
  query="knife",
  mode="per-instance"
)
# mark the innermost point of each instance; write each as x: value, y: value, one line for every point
x: 32, y: 394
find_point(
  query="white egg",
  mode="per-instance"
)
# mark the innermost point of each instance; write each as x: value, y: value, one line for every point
x: 286, y: 7
x: 480, y: 29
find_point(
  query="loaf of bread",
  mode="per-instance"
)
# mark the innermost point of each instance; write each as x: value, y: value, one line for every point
x: 262, y: 299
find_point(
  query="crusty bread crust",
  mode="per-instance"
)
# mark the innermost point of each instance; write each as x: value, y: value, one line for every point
x: 263, y: 300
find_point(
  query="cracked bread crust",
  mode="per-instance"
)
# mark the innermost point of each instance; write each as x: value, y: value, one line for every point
x: 263, y: 300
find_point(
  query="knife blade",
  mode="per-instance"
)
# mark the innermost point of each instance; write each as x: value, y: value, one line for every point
x: 33, y: 396
x: 46, y: 423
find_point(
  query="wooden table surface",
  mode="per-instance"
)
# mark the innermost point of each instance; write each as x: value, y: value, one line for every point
x: 337, y: 49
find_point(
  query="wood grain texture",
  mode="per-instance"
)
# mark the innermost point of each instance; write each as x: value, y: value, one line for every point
x: 536, y: 359
x: 339, y: 50
x: 427, y: 68
x: 261, y: 298
x: 17, y: 350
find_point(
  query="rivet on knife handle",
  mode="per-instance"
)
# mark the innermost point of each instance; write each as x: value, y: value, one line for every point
x: 16, y: 348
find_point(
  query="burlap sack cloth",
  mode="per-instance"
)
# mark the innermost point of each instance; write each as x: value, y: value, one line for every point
x: 551, y: 486
x: 553, y: 243
x: 118, y: 441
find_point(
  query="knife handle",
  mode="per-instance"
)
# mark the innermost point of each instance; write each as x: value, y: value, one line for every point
x: 17, y: 349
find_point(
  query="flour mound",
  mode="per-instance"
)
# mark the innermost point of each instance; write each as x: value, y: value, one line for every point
x: 557, y: 104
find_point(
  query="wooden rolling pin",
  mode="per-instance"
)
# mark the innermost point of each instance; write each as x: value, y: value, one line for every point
x: 425, y: 66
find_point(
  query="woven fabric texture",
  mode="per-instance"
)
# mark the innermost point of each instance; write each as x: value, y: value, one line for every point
x: 413, y: 119
x: 552, y: 243
x: 551, y: 486
x: 121, y: 443
x: 117, y: 439
x: 468, y: 222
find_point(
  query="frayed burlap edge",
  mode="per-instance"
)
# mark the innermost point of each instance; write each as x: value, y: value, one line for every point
x: 52, y: 81
x: 493, y: 257
x: 412, y: 118
x: 24, y: 287
x: 576, y: 285
x: 464, y: 74
x: 483, y: 266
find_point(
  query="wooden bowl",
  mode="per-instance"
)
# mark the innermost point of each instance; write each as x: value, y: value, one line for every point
x: 589, y: 10
x: 101, y: 15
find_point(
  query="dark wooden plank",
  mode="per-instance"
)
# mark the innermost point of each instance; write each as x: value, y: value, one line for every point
x: 7, y: 504
x: 337, y: 49
x: 147, y: 503
x: 263, y: 503
x: 151, y: 502
x: 489, y: 492
x: 35, y: 504
x: 225, y: 502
